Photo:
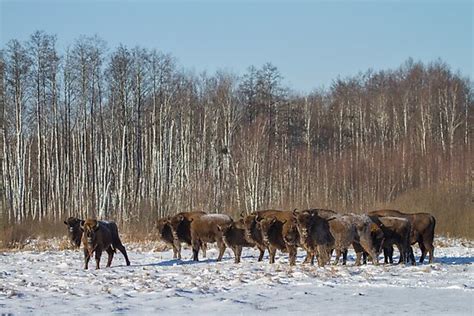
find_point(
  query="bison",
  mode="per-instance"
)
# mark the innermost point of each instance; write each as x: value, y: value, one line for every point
x: 205, y: 228
x: 181, y: 228
x: 99, y: 236
x: 280, y: 231
x: 234, y: 238
x: 166, y: 235
x: 422, y: 230
x: 396, y: 230
x: 323, y: 232
x: 252, y: 230
x: 75, y: 232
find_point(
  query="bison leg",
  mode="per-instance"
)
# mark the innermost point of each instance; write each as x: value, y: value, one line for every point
x: 221, y: 246
x: 323, y: 255
x: 110, y: 253
x: 344, y: 257
x: 430, y: 248
x: 388, y: 254
x: 309, y: 257
x: 292, y: 255
x: 410, y: 256
x: 177, y: 248
x: 338, y: 255
x: 204, y: 249
x: 196, y: 245
x: 423, y: 250
x: 403, y: 251
x: 272, y: 253
x: 364, y: 258
x: 374, y: 257
x: 358, y: 257
x: 237, y: 253
x: 98, y: 254
x: 87, y: 257
x: 124, y: 252
x: 262, y: 252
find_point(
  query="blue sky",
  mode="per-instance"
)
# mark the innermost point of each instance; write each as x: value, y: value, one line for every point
x: 311, y: 43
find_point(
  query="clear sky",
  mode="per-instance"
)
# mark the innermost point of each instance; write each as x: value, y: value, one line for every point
x: 311, y: 43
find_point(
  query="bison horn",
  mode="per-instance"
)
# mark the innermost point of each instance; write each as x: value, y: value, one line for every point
x: 96, y: 227
x: 294, y: 211
x: 242, y: 214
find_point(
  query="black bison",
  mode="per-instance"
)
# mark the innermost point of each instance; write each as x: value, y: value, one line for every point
x: 99, y: 236
x: 234, y: 238
x: 422, y: 230
x: 75, y: 232
x: 205, y: 228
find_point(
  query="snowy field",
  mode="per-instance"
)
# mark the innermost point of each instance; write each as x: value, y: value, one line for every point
x: 53, y: 282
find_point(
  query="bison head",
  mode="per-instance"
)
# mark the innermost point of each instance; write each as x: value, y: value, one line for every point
x: 303, y: 224
x: 377, y: 236
x: 291, y: 235
x: 265, y: 225
x: 162, y: 223
x: 90, y: 229
x: 74, y: 230
x: 249, y: 224
x: 225, y: 228
x: 174, y: 223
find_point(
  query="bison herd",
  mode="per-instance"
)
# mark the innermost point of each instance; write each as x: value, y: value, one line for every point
x: 319, y: 232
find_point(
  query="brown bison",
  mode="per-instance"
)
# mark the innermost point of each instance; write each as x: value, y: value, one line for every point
x: 279, y: 231
x: 181, y: 228
x: 234, y: 238
x: 252, y: 230
x: 306, y: 224
x: 322, y: 232
x: 422, y: 230
x: 99, y: 236
x: 396, y: 230
x: 204, y: 229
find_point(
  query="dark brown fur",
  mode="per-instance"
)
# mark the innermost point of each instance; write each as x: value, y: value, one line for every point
x: 166, y: 235
x: 234, y: 238
x: 396, y: 230
x: 325, y: 230
x: 75, y: 234
x: 99, y: 236
x: 279, y: 231
x: 252, y: 230
x: 305, y: 221
x: 422, y: 230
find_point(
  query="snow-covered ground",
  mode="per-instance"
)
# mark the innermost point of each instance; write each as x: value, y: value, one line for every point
x: 53, y: 282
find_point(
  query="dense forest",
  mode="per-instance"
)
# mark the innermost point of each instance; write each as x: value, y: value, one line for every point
x: 128, y: 134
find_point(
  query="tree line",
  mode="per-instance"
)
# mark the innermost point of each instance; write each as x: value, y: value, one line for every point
x: 128, y: 134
